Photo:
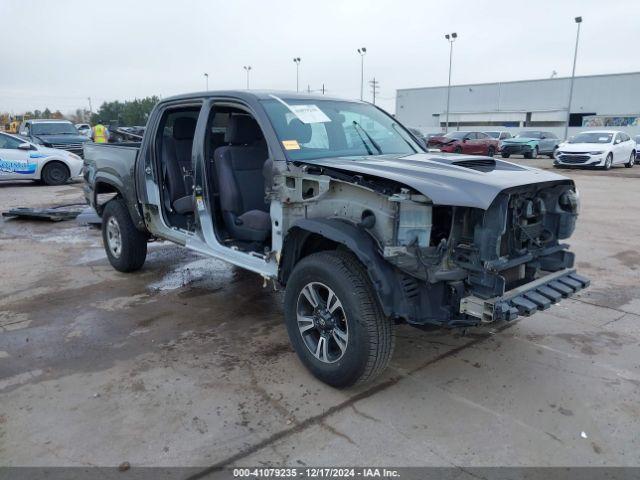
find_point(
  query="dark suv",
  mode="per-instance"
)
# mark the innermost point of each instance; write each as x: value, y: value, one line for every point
x: 60, y: 134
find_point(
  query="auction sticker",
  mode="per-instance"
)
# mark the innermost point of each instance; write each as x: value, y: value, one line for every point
x: 291, y: 145
x: 309, y: 113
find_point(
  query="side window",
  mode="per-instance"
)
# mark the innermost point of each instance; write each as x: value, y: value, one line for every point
x: 618, y: 139
x: 7, y: 142
x: 482, y: 135
x: 472, y: 136
x: 625, y: 137
x: 550, y: 135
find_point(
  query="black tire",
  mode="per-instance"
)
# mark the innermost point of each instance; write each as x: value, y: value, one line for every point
x: 457, y: 150
x: 133, y: 243
x: 55, y: 173
x: 505, y: 155
x: 371, y: 336
x: 608, y: 162
x: 632, y: 160
x: 491, y: 151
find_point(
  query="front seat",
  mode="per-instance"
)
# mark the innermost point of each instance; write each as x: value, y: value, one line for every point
x: 241, y: 182
x: 176, y: 159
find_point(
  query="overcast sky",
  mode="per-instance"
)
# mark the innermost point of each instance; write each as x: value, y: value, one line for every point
x: 57, y: 53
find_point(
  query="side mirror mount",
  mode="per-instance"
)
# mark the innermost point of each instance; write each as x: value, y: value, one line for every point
x: 25, y: 146
x: 465, y: 139
x: 25, y: 133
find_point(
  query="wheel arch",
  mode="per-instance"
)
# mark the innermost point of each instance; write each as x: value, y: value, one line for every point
x: 311, y: 235
x: 104, y: 186
x: 49, y: 161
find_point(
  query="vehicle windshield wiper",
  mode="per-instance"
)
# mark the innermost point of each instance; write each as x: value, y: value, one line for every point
x: 395, y: 127
x: 373, y: 142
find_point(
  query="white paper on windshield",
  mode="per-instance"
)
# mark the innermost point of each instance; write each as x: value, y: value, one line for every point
x: 305, y: 113
x: 603, y: 139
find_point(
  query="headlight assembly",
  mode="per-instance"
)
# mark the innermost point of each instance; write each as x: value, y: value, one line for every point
x: 596, y: 153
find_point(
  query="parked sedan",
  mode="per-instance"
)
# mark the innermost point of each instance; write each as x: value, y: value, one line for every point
x: 597, y: 149
x: 29, y: 161
x: 473, y: 143
x: 637, y: 140
x: 530, y: 144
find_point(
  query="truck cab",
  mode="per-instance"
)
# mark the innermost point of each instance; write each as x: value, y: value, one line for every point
x: 337, y: 203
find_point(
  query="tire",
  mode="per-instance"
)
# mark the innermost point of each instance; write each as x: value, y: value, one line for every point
x: 491, y: 151
x: 608, y: 162
x: 126, y: 246
x: 632, y: 160
x: 505, y: 155
x: 366, y: 335
x: 55, y: 173
x: 457, y: 150
x: 532, y: 154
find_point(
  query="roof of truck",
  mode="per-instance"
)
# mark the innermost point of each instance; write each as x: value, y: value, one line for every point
x: 256, y: 94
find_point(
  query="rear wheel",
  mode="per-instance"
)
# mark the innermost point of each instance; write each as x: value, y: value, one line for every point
x: 55, y: 173
x: 632, y: 160
x: 126, y: 246
x: 334, y: 320
x: 532, y: 154
x: 505, y: 155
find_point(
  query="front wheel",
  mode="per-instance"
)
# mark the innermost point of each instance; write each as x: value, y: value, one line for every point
x: 457, y: 150
x: 491, y: 151
x: 608, y: 162
x: 55, y: 173
x: 532, y: 154
x: 334, y: 320
x: 505, y: 155
x: 126, y: 246
x: 632, y: 160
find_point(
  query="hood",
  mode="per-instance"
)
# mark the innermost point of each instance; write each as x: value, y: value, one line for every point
x: 520, y: 140
x: 441, y: 140
x: 61, y: 139
x: 447, y: 179
x: 584, y: 147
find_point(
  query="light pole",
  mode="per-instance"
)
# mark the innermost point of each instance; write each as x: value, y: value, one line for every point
x: 450, y: 38
x: 297, y: 62
x: 578, y: 20
x: 206, y: 80
x: 362, y: 52
x: 247, y: 69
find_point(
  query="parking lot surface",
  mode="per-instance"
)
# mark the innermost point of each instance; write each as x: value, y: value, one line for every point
x: 187, y: 362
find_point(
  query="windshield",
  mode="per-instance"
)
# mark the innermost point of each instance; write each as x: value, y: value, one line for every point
x: 329, y: 128
x: 493, y: 134
x: 592, y: 137
x: 529, y: 135
x: 53, y: 128
x: 457, y: 135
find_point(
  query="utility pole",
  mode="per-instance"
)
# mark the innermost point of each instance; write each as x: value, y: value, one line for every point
x: 90, y: 109
x: 297, y: 61
x: 206, y: 79
x: 323, y: 88
x: 247, y: 69
x: 578, y: 20
x: 362, y: 52
x: 375, y: 86
x: 450, y: 38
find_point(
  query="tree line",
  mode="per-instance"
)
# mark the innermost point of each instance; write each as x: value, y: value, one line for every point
x: 127, y: 113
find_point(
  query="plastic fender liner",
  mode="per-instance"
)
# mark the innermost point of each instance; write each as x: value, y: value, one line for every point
x: 386, y: 280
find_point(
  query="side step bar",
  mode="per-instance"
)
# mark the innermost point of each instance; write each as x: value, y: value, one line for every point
x: 526, y: 299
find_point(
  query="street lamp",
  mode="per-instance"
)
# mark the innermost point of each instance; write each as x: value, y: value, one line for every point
x: 362, y: 52
x: 247, y: 69
x: 297, y: 62
x: 450, y: 38
x: 578, y: 20
x: 206, y: 80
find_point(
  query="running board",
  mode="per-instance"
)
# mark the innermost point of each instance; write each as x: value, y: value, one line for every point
x: 527, y: 299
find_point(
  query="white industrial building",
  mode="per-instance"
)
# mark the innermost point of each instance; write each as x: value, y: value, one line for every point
x: 599, y: 101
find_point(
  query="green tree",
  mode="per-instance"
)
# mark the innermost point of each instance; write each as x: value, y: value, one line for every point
x: 127, y: 113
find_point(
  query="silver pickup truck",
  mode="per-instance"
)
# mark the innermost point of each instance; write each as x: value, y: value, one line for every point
x: 340, y: 205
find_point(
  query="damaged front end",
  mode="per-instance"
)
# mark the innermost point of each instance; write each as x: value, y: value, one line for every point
x: 494, y: 264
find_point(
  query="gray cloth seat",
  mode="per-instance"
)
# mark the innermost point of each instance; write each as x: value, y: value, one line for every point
x: 241, y: 183
x: 176, y: 159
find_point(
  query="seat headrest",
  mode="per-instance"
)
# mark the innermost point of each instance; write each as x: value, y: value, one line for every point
x: 242, y: 129
x: 184, y: 128
x: 296, y: 130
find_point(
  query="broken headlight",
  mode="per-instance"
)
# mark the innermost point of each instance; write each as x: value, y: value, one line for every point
x: 570, y: 201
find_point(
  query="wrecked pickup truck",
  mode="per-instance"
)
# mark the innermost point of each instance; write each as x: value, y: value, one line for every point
x: 339, y: 204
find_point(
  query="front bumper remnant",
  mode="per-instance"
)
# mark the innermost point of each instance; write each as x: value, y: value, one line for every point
x: 527, y: 299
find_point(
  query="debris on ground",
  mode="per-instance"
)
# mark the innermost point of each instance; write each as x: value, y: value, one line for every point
x: 124, y: 466
x: 54, y: 214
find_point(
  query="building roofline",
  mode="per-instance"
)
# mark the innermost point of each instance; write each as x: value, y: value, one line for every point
x: 520, y: 81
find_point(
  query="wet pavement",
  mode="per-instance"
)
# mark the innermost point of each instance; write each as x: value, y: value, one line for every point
x: 187, y: 362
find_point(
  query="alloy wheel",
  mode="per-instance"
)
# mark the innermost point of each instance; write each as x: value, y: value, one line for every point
x: 322, y: 322
x: 114, y: 237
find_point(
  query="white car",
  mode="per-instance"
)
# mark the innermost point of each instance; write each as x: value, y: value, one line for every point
x: 603, y: 148
x: 84, y: 129
x: 22, y: 160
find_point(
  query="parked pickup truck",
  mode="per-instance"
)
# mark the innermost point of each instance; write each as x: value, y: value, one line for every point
x: 337, y: 203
